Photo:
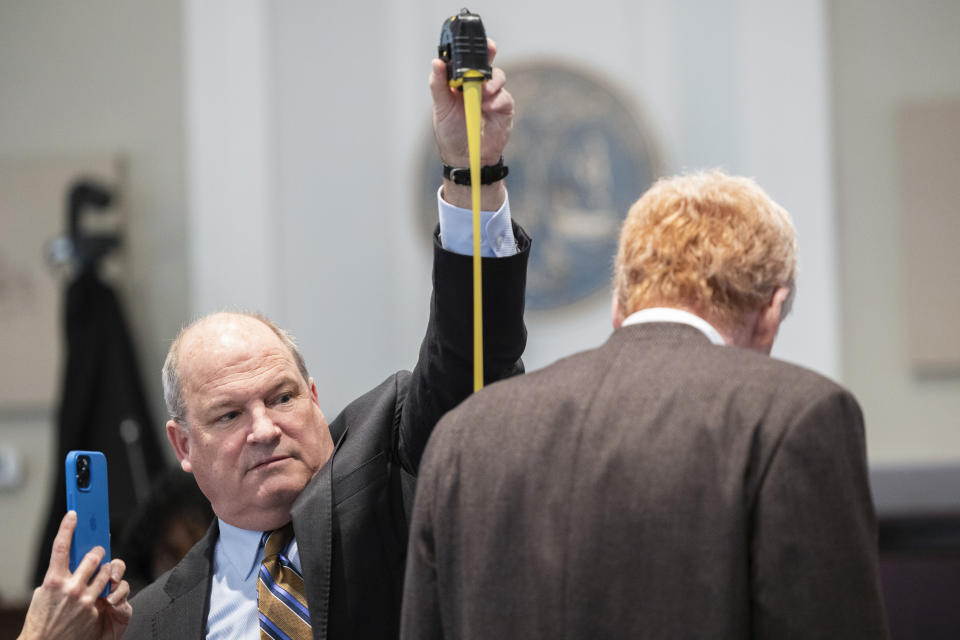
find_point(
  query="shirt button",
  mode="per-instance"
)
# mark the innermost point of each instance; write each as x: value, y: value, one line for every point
x: 499, y: 241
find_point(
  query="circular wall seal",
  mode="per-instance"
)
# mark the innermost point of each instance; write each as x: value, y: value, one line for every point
x: 578, y: 158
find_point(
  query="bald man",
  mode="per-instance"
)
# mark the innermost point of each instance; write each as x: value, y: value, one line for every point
x: 245, y: 420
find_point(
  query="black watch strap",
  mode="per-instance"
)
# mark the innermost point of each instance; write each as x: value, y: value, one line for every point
x: 488, y: 174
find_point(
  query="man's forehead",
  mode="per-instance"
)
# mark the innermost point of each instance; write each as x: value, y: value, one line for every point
x: 224, y: 337
x: 226, y: 329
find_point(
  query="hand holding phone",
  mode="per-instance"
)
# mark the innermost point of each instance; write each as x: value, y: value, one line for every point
x: 86, y: 473
x: 66, y: 605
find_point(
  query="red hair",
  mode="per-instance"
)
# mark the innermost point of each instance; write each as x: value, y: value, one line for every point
x: 712, y: 243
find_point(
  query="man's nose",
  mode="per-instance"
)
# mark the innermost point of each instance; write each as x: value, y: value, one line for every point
x: 264, y: 429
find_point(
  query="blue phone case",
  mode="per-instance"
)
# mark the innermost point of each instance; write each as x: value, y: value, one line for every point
x: 87, y: 495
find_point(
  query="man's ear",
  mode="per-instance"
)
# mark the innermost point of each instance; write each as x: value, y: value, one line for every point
x: 180, y: 439
x: 768, y: 322
x: 617, y: 316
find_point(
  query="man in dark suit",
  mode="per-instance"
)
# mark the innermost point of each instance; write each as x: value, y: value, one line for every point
x: 246, y: 422
x: 676, y: 482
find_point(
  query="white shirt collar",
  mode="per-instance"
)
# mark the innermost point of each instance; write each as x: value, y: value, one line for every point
x: 241, y: 548
x: 667, y: 314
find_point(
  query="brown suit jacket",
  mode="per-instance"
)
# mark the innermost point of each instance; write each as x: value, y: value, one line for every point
x: 659, y: 486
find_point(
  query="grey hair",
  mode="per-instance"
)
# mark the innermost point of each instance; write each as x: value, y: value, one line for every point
x: 170, y: 375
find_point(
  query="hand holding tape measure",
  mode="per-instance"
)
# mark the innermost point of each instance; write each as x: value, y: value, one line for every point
x: 472, y: 118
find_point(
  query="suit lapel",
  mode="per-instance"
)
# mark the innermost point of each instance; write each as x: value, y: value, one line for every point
x: 189, y: 583
x: 312, y: 515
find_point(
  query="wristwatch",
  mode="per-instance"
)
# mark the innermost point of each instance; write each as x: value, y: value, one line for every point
x: 488, y: 174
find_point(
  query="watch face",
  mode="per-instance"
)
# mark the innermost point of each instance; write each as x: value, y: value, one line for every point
x: 578, y: 158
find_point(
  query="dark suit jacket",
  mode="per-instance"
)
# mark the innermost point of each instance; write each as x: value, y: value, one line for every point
x: 659, y: 486
x: 351, y: 521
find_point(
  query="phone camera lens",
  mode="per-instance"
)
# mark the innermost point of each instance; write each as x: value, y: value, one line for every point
x: 83, y: 471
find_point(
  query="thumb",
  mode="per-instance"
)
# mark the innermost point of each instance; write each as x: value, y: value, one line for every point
x: 439, y: 89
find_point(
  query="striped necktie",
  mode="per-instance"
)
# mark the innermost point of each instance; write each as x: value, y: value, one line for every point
x: 281, y: 595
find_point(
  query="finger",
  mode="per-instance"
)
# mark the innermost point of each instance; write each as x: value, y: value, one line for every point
x: 60, y: 554
x: 96, y: 586
x: 123, y: 612
x: 89, y: 564
x: 117, y: 568
x: 495, y: 83
x: 492, y: 49
x: 501, y: 103
x: 118, y: 592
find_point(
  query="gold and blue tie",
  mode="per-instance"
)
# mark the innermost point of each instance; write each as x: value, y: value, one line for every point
x: 281, y: 595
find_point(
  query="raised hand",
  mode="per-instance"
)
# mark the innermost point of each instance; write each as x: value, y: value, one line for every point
x: 449, y: 125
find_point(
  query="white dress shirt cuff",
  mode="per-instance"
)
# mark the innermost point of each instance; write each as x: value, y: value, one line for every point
x: 496, y: 230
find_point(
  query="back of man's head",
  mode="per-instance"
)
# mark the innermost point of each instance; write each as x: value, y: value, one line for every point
x: 713, y: 244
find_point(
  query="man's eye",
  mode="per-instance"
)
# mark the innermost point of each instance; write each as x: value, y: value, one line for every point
x: 228, y: 417
x: 284, y: 398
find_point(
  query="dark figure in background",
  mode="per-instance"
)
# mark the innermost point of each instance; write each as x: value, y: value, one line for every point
x: 246, y: 422
x: 168, y: 524
x: 101, y: 390
x: 676, y: 482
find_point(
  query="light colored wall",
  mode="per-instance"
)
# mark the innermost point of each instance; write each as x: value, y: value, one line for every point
x: 97, y: 76
x: 887, y: 54
x: 232, y: 222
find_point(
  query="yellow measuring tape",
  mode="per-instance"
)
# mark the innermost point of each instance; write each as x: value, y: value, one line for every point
x: 463, y: 47
x: 472, y: 84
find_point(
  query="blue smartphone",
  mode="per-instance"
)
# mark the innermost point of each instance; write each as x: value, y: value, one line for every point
x: 87, y: 495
